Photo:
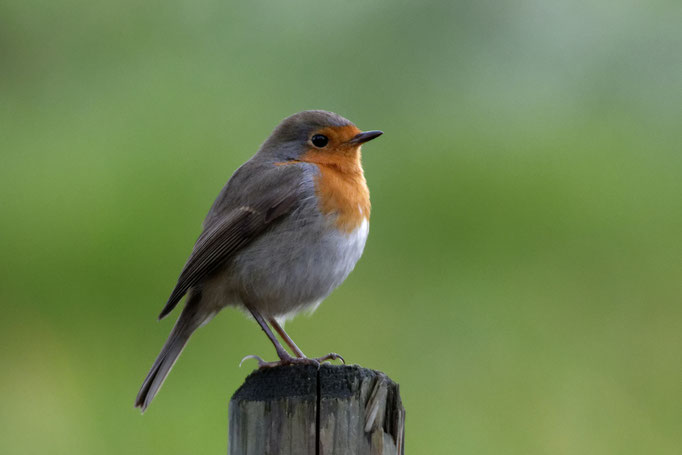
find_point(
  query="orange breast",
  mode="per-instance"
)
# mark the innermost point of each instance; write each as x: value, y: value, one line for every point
x: 340, y: 185
x: 345, y: 195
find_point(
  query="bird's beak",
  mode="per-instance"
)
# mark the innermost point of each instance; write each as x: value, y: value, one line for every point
x: 365, y: 136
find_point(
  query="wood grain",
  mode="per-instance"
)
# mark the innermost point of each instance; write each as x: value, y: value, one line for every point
x: 336, y: 409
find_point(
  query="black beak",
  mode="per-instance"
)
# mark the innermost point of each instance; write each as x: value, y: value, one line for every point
x: 366, y: 136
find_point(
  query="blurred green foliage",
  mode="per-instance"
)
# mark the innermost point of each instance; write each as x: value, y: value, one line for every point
x: 522, y: 278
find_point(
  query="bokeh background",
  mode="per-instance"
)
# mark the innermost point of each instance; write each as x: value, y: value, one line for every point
x: 522, y: 278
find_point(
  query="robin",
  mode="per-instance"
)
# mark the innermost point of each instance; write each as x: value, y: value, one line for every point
x: 284, y: 232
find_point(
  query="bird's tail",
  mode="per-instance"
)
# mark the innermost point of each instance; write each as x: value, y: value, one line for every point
x: 190, y: 320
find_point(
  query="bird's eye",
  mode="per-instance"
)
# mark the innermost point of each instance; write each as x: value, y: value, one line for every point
x: 319, y: 140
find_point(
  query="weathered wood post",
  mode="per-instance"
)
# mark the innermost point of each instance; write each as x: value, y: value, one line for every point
x: 302, y: 410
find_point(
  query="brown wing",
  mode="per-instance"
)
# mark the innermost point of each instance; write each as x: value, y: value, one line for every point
x: 223, y: 238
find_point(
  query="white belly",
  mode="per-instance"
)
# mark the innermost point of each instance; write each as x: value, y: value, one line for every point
x: 289, y: 269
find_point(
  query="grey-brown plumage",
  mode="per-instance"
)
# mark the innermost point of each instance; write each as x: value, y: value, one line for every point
x: 227, y: 233
x: 266, y: 247
x: 222, y: 236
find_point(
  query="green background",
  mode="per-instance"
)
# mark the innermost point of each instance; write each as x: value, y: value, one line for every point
x: 522, y: 277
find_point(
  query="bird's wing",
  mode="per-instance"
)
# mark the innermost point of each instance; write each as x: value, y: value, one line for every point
x: 231, y: 231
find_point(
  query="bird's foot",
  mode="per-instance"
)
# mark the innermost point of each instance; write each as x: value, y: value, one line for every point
x: 330, y: 356
x: 289, y: 360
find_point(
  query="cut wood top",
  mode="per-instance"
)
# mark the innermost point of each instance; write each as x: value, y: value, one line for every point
x: 300, y: 409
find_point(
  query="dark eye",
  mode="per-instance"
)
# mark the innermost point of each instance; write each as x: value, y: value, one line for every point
x: 319, y: 140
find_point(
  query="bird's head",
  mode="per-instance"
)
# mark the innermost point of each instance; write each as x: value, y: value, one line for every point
x: 316, y: 136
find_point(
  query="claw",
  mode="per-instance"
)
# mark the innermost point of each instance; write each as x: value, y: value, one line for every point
x: 285, y: 361
x: 294, y: 360
x: 252, y: 356
x: 331, y: 356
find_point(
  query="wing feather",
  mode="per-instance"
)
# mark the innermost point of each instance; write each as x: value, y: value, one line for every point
x: 224, y: 237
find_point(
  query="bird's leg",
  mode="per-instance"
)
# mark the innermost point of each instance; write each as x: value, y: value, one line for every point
x: 287, y: 339
x: 284, y: 357
x: 281, y: 352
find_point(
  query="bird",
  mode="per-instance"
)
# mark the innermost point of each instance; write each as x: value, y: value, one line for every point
x: 286, y: 230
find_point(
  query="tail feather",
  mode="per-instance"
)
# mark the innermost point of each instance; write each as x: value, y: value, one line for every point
x: 187, y: 323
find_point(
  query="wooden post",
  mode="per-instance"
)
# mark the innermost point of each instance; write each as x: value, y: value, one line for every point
x: 302, y: 410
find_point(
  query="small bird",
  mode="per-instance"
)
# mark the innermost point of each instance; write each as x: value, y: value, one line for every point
x: 284, y: 232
